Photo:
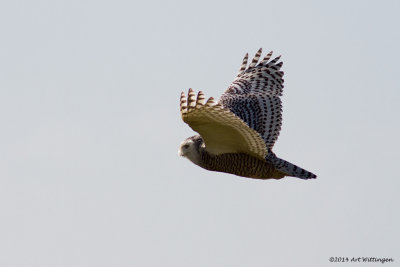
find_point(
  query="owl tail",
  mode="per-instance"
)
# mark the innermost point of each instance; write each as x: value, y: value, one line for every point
x: 288, y: 168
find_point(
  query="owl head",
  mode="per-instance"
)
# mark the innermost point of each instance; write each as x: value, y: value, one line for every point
x: 191, y: 147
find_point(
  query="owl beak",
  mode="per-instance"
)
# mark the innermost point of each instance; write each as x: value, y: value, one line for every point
x: 180, y: 153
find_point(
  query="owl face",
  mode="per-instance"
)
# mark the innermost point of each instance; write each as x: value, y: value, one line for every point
x: 190, y: 149
x: 185, y: 148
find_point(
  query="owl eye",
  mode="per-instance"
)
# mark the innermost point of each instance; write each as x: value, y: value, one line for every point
x: 185, y: 146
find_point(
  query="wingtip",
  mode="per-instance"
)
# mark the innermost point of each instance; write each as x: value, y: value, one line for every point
x: 210, y: 102
x: 200, y: 98
x: 256, y: 58
x: 183, y: 103
x: 277, y: 58
x: 266, y: 58
x: 191, y: 98
x: 244, y: 63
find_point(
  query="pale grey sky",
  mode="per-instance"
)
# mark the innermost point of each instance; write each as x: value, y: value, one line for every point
x: 89, y: 108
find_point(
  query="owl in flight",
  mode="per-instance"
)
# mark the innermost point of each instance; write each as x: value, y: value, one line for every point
x: 238, y: 132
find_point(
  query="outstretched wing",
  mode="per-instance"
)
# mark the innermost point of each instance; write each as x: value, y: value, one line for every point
x: 254, y: 96
x: 221, y: 130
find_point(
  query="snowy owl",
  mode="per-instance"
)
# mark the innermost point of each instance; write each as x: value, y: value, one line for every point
x: 237, y: 133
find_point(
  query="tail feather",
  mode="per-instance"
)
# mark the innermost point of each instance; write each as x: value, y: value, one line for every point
x: 288, y: 168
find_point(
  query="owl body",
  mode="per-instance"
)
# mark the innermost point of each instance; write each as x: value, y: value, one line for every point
x: 238, y: 132
x: 240, y: 164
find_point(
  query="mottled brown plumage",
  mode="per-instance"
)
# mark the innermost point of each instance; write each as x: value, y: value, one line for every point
x: 240, y: 164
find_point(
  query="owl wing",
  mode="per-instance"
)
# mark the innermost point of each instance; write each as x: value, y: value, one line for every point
x: 254, y: 96
x: 221, y: 130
